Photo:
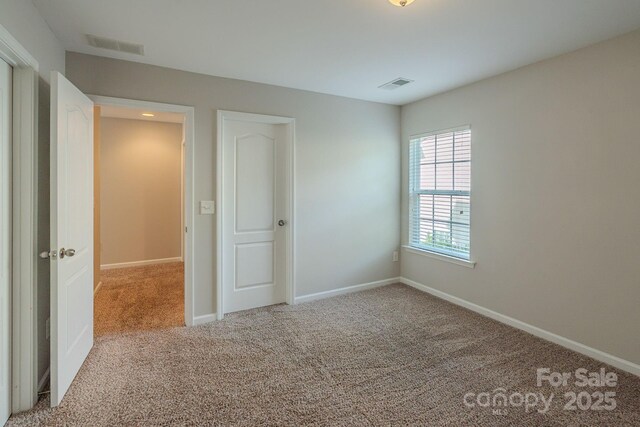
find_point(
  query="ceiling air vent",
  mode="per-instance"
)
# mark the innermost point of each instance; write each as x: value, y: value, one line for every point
x: 111, y: 44
x: 395, y: 84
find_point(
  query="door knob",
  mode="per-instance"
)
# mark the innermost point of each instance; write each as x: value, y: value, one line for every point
x: 67, y: 252
x: 282, y: 223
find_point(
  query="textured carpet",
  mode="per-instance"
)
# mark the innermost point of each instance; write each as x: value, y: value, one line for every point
x: 140, y: 298
x: 389, y: 356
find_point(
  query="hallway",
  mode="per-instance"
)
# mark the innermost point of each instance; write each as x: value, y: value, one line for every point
x: 140, y: 298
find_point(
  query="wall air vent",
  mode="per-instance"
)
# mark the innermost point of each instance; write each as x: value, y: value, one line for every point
x: 117, y: 45
x: 396, y: 83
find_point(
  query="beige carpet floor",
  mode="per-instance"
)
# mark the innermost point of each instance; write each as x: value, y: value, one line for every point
x: 386, y: 357
x: 140, y: 298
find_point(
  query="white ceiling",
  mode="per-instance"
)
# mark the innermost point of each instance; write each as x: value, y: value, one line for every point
x: 136, y: 114
x: 343, y: 47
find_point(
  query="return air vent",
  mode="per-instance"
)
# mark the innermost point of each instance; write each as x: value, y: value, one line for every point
x: 111, y: 44
x: 395, y: 84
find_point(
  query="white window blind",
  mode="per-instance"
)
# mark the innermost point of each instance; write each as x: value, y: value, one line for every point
x: 440, y: 192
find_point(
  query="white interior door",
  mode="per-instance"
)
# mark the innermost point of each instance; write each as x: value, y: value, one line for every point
x: 5, y: 239
x: 254, y: 200
x: 71, y: 233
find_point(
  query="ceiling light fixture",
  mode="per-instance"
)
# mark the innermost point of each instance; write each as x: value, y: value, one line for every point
x: 148, y: 114
x: 401, y: 3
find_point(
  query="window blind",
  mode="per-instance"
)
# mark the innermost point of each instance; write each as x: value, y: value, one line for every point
x: 440, y: 192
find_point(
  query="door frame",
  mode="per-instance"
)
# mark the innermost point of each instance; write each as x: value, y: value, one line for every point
x: 224, y: 115
x: 23, y: 303
x: 187, y: 176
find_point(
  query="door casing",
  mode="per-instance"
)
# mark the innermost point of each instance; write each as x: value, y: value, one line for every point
x: 220, y: 220
x: 24, y: 302
x: 6, y: 83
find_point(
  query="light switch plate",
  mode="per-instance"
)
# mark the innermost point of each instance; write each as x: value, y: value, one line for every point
x: 207, y: 207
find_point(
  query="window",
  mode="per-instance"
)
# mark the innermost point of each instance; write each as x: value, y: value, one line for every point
x: 440, y: 192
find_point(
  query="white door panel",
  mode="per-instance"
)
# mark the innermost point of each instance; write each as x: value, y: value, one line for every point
x: 71, y: 229
x: 5, y: 241
x: 255, y: 183
x: 254, y: 199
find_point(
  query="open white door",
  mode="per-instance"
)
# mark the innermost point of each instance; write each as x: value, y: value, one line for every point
x: 71, y: 233
x: 5, y: 240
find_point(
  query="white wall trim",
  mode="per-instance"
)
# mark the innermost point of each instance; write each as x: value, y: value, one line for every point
x: 23, y: 304
x: 290, y: 238
x: 12, y: 52
x: 43, y: 381
x: 346, y: 290
x: 188, y: 212
x: 207, y: 318
x: 139, y: 263
x: 599, y: 355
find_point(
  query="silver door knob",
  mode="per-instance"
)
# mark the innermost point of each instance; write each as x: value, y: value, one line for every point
x: 67, y: 252
x: 282, y: 223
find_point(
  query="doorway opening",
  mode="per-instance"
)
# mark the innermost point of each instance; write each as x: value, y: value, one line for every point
x: 140, y: 220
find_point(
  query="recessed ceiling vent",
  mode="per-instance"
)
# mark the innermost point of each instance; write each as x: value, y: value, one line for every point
x: 111, y: 44
x: 395, y: 84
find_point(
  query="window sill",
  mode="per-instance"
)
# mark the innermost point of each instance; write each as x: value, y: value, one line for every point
x: 449, y: 259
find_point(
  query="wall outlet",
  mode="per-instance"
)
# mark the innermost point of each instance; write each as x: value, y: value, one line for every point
x: 396, y: 256
x: 47, y: 328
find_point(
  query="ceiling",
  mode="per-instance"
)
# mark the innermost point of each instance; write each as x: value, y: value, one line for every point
x: 136, y: 114
x: 343, y: 47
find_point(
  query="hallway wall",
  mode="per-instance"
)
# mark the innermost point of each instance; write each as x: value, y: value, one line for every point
x: 140, y: 191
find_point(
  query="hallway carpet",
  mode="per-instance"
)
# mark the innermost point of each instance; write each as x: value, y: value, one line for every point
x: 140, y: 298
x: 390, y: 356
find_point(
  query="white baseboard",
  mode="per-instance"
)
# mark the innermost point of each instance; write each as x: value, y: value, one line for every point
x: 140, y: 263
x: 43, y: 380
x: 207, y: 318
x: 599, y: 355
x: 95, y: 291
x: 346, y: 290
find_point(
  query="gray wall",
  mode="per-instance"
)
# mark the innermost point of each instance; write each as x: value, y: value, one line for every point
x: 140, y: 190
x: 347, y: 162
x: 26, y: 25
x: 555, y: 204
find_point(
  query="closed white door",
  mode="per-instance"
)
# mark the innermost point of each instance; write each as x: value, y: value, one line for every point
x: 71, y: 233
x: 255, y: 218
x: 5, y: 241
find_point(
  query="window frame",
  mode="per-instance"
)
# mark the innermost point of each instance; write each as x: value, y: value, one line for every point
x: 414, y: 196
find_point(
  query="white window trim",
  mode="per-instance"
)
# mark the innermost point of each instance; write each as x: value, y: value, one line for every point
x: 441, y: 257
x: 433, y: 253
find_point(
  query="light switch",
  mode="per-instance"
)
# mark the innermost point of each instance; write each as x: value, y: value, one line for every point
x: 207, y: 207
